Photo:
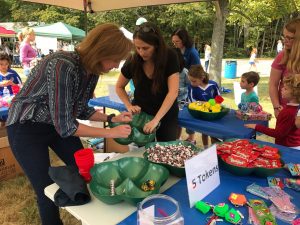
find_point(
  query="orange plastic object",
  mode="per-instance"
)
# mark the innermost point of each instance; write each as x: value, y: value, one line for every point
x: 237, y: 199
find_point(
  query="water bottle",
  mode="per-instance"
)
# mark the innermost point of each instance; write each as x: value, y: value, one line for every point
x: 6, y: 92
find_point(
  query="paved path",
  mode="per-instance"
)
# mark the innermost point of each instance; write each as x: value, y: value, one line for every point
x: 263, y: 66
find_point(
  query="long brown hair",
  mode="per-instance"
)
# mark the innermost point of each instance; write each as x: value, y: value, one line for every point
x: 104, y: 42
x: 150, y: 34
x: 290, y: 57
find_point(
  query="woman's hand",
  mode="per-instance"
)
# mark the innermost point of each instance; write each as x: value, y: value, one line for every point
x: 122, y: 131
x: 250, y: 125
x: 124, y: 117
x: 134, y: 109
x: 150, y: 126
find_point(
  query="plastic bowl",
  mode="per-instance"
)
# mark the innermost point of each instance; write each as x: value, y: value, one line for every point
x: 128, y: 174
x: 137, y: 135
x: 176, y: 171
x: 245, y: 171
x: 209, y: 115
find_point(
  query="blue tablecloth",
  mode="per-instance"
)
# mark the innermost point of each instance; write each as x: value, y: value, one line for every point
x: 227, y: 127
x: 3, y: 112
x: 105, y: 102
x: 229, y: 183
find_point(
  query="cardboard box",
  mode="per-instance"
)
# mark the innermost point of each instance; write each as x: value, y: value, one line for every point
x: 112, y: 146
x: 9, y: 167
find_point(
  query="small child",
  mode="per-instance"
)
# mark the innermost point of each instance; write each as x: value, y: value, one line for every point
x: 200, y: 89
x: 248, y: 81
x: 253, y: 60
x: 8, y: 77
x: 285, y: 133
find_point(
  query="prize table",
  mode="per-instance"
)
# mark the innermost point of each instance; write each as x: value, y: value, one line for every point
x: 227, y: 127
x: 96, y: 212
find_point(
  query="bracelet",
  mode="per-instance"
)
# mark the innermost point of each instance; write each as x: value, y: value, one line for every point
x: 109, y: 117
x: 276, y: 108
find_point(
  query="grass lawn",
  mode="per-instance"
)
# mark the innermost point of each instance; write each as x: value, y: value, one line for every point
x: 17, y: 201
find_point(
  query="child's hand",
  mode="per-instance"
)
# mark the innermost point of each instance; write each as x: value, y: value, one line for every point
x: 250, y: 125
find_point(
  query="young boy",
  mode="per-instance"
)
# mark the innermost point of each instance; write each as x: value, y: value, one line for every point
x: 248, y: 81
x: 285, y: 133
x: 8, y: 77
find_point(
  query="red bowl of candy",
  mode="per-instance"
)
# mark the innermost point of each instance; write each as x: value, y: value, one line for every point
x: 171, y: 154
x: 242, y: 157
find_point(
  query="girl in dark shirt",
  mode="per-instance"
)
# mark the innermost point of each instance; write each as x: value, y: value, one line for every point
x: 154, y: 69
x: 44, y: 113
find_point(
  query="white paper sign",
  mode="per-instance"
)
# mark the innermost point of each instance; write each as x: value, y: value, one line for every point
x: 202, y: 174
x: 112, y: 94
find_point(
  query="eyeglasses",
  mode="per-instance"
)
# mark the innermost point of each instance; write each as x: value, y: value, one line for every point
x: 144, y: 29
x: 288, y: 38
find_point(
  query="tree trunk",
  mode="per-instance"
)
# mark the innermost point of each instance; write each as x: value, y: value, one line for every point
x: 274, y: 38
x: 263, y: 44
x: 217, y: 40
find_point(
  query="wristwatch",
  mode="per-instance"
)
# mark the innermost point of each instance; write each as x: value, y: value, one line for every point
x: 110, y: 116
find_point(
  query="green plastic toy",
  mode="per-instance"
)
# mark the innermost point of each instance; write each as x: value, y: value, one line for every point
x: 232, y: 216
x: 203, y: 207
x: 221, y: 209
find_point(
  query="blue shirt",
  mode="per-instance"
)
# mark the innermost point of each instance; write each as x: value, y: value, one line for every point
x: 202, y: 94
x: 191, y: 57
x: 10, y: 75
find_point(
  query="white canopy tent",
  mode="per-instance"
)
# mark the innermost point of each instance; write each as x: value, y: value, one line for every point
x: 100, y: 5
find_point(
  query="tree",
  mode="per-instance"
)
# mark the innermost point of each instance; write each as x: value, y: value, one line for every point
x: 217, y: 40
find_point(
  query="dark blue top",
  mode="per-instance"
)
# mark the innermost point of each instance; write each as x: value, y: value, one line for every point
x: 10, y: 75
x: 191, y: 57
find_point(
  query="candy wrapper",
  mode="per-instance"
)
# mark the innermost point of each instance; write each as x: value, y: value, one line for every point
x: 293, y: 168
x: 292, y: 183
x: 275, y: 181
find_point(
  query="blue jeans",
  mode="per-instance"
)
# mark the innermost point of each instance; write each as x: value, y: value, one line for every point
x: 30, y: 144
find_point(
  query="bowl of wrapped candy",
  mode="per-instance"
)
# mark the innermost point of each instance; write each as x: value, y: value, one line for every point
x: 171, y: 154
x: 252, y: 111
x: 243, y: 157
x: 210, y: 110
x: 129, y: 179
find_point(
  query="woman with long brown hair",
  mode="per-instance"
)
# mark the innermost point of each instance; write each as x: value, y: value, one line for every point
x: 286, y: 62
x: 154, y: 69
x: 44, y: 114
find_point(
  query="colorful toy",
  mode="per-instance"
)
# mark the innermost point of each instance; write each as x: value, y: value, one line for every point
x: 252, y: 111
x: 237, y: 199
x: 261, y: 212
x: 220, y: 210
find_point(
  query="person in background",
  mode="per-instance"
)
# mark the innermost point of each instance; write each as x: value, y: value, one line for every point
x: 8, y: 77
x: 183, y: 85
x: 248, y: 81
x: 200, y: 89
x: 285, y: 132
x: 253, y: 60
x: 154, y: 69
x: 183, y: 41
x: 287, y: 61
x: 27, y: 52
x: 44, y: 113
x: 207, y: 56
x: 279, y: 46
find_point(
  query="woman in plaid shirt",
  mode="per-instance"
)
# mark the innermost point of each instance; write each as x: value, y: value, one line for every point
x: 55, y: 94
